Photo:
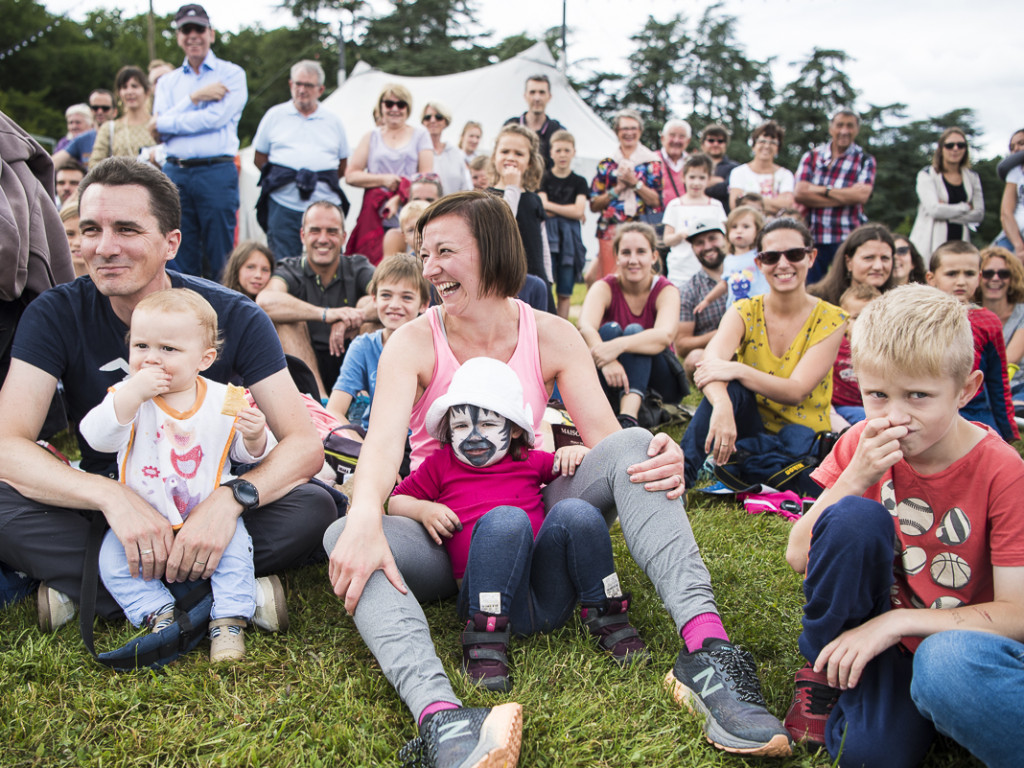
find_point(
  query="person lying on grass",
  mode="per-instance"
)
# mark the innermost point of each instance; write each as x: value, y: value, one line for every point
x: 518, y: 569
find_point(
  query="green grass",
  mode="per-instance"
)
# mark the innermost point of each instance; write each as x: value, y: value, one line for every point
x: 316, y: 697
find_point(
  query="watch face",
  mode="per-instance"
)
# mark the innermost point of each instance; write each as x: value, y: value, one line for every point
x: 245, y: 493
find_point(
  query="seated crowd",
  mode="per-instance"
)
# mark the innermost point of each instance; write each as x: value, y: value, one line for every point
x: 436, y: 332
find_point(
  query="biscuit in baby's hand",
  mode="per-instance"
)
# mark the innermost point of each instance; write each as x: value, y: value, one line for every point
x: 234, y: 400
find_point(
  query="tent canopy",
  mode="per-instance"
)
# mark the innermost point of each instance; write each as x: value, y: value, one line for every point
x: 489, y: 95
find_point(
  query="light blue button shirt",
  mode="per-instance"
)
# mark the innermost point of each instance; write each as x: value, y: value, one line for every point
x: 209, y: 128
x: 291, y: 139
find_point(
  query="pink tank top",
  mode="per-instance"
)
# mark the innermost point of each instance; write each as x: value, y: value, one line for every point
x: 525, y: 361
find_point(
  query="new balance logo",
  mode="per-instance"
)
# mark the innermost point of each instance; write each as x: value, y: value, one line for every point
x: 452, y: 730
x: 707, y: 675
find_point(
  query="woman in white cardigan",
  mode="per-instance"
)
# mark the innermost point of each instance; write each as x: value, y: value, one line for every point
x: 949, y: 195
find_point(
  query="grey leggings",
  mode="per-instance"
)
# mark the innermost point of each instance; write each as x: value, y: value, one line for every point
x: 656, y: 531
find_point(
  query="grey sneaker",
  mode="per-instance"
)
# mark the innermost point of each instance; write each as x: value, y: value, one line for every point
x: 467, y: 738
x: 54, y: 608
x: 720, y: 682
x: 271, y: 609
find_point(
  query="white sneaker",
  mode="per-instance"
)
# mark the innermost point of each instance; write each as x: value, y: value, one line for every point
x: 55, y: 609
x: 271, y: 609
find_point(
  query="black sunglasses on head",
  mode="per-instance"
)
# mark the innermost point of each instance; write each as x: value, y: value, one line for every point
x: 793, y: 256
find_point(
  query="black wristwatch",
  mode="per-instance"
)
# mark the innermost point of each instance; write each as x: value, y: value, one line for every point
x: 245, y: 493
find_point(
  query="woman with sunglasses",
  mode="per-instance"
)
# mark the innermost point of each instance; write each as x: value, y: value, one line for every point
x: 129, y: 134
x: 907, y: 264
x: 949, y: 195
x: 784, y: 343
x: 449, y: 162
x: 865, y: 257
x: 382, y: 164
x: 1002, y: 292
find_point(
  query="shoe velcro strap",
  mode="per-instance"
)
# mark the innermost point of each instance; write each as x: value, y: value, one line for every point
x: 470, y: 637
x: 611, y: 640
x: 610, y: 619
x: 488, y: 654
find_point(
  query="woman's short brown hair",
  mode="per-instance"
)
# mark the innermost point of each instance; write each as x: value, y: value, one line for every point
x: 490, y: 220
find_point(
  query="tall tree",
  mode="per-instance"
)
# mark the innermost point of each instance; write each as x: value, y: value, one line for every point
x: 805, y: 104
x: 661, y: 49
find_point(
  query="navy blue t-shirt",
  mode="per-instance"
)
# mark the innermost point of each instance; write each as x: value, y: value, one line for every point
x: 72, y: 333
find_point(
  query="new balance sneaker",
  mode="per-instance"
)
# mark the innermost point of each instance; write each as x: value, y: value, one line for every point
x: 609, y: 623
x: 467, y: 738
x: 227, y: 639
x: 53, y: 608
x: 485, y: 652
x: 271, y: 609
x: 813, y: 701
x: 719, y: 681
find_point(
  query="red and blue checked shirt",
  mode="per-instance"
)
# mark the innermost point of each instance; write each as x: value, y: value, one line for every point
x: 854, y: 166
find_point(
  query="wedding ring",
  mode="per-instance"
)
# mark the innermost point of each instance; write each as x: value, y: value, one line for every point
x: 146, y: 552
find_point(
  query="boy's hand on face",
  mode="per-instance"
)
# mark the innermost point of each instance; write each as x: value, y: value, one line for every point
x: 878, y: 450
x: 844, y: 658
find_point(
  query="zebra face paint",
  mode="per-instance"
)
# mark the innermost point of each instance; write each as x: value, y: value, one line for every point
x: 479, y: 437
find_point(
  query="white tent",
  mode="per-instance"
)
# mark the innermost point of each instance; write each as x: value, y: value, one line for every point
x: 489, y: 95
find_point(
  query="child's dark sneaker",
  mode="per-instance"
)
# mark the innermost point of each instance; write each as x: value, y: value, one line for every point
x: 467, y: 738
x: 813, y: 701
x: 484, y: 652
x: 609, y: 623
x: 720, y: 682
x: 626, y: 421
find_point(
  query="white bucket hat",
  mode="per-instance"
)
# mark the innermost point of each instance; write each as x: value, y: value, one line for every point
x: 485, y: 383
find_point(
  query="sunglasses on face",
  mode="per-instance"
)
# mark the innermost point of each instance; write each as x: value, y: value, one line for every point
x: 991, y: 274
x: 714, y: 140
x: 902, y: 250
x: 99, y: 108
x: 955, y: 145
x: 392, y: 104
x: 793, y: 256
x: 431, y: 118
x: 192, y: 29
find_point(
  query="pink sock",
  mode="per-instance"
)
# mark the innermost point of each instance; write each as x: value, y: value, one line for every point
x: 437, y: 706
x: 700, y: 628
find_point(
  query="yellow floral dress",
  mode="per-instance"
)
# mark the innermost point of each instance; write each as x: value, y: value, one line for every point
x: 755, y: 351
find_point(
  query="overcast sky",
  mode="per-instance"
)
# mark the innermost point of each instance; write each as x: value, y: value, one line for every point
x: 902, y: 50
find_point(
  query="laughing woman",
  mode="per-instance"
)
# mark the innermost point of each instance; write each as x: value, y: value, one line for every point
x: 784, y: 342
x: 628, y: 321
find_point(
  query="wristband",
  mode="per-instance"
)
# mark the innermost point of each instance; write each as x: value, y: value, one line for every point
x: 324, y: 318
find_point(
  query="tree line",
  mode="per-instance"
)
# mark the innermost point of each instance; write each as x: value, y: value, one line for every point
x: 693, y: 68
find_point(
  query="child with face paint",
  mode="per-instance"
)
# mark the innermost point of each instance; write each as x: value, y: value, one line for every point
x: 480, y: 496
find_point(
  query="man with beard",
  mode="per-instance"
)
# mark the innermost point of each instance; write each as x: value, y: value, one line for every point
x: 696, y: 329
x: 312, y: 298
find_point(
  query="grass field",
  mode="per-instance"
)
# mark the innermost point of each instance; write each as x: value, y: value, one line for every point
x: 315, y: 696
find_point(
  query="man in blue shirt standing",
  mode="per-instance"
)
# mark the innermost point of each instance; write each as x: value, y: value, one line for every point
x: 301, y: 152
x: 196, y: 112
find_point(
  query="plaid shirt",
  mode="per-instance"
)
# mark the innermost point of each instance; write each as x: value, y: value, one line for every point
x: 854, y: 166
x: 693, y: 293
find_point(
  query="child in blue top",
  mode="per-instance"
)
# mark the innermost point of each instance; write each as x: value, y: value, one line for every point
x: 740, y: 275
x: 401, y: 295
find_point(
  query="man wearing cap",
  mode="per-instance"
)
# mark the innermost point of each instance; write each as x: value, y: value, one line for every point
x: 301, y: 152
x: 697, y: 328
x: 196, y: 112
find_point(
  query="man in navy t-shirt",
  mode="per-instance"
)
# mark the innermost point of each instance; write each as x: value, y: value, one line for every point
x: 76, y: 333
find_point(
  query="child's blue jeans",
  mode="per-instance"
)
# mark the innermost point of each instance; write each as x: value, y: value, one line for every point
x: 234, y: 584
x: 539, y: 581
